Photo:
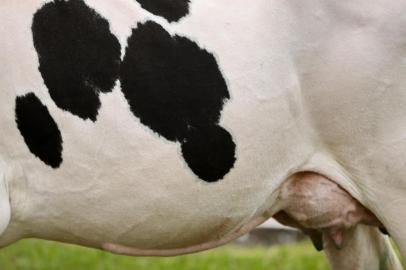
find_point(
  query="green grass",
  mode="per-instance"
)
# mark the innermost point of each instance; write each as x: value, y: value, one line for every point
x: 42, y: 255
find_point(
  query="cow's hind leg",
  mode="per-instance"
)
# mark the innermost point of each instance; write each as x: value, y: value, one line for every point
x: 393, y: 213
x: 335, y: 222
x: 5, y: 210
x: 365, y: 248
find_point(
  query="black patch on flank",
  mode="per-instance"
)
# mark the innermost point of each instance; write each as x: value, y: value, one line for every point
x: 172, y: 10
x: 172, y: 85
x: 40, y: 132
x: 176, y: 88
x: 209, y: 152
x: 78, y: 55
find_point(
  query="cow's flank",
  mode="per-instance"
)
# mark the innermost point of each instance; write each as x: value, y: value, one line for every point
x: 177, y: 89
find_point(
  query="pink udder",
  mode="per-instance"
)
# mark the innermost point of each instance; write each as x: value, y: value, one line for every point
x: 317, y: 205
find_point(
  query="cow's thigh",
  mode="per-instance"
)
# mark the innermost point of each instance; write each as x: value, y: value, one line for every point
x: 365, y: 248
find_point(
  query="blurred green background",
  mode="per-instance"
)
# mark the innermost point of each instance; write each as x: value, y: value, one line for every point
x: 43, y: 255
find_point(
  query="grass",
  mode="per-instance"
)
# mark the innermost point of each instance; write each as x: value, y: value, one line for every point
x: 43, y: 255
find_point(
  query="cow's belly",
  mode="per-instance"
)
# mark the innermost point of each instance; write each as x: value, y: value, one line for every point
x: 120, y: 182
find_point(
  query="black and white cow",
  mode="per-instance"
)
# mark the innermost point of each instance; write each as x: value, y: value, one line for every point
x: 164, y: 127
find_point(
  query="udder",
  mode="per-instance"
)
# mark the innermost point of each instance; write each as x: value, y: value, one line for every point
x: 318, y: 206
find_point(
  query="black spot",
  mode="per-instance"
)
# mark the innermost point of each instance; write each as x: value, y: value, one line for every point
x: 172, y: 10
x: 209, y: 152
x: 176, y: 88
x: 78, y: 55
x: 40, y: 132
x: 171, y: 84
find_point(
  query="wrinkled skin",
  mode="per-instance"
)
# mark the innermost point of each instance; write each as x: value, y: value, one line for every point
x: 319, y: 205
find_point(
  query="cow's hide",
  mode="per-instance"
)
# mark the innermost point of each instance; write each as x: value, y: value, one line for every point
x: 168, y: 124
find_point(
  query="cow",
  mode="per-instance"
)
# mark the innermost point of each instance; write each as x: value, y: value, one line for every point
x: 165, y: 127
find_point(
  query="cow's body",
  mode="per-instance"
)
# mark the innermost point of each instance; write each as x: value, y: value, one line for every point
x: 313, y: 86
